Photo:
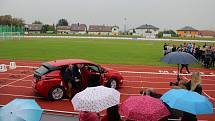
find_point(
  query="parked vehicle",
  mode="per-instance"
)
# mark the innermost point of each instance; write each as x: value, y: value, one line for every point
x: 48, y: 80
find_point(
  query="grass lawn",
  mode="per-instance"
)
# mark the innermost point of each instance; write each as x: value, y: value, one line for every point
x: 99, y: 51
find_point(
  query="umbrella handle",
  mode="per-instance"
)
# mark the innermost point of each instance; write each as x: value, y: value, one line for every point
x: 178, y: 77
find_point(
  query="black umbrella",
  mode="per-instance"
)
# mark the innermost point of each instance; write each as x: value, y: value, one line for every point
x: 179, y: 58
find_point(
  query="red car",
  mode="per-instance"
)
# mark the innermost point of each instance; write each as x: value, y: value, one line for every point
x: 48, y: 81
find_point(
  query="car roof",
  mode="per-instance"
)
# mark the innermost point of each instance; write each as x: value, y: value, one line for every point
x: 69, y: 61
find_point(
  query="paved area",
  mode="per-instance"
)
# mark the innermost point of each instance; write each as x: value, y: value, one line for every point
x: 52, y: 117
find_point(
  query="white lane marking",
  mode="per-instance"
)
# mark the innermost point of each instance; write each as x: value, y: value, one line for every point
x: 142, y: 87
x: 139, y: 72
x: 18, y: 86
x: 152, y: 82
x: 129, y: 81
x: 14, y: 95
x: 15, y: 81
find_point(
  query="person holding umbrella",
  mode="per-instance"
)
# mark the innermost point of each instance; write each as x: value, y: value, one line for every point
x: 179, y: 58
x: 184, y: 66
x: 195, y: 85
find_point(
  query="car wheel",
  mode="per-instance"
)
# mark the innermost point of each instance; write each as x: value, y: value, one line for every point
x: 56, y: 93
x: 112, y: 83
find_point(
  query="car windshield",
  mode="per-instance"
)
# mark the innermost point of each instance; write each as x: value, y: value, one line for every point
x: 42, y: 70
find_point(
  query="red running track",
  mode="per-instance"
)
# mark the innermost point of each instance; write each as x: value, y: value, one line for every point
x: 17, y: 84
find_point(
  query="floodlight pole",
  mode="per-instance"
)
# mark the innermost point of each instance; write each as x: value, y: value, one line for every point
x: 125, y: 25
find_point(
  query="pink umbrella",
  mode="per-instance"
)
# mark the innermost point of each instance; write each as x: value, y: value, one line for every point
x: 144, y: 108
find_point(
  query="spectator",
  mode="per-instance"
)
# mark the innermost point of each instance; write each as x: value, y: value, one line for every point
x: 184, y: 66
x: 165, y: 48
x: 88, y: 116
x: 112, y: 114
x: 194, y: 85
x: 174, y: 48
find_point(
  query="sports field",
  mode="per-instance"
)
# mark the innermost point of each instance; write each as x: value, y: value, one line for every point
x: 132, y: 52
x: 138, y: 62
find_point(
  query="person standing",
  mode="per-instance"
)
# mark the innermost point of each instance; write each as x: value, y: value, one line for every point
x: 71, y: 76
x: 184, y: 66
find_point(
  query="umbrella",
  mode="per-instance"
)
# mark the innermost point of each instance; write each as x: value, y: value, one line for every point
x: 188, y: 101
x: 179, y: 58
x: 21, y: 110
x: 96, y: 99
x: 144, y: 108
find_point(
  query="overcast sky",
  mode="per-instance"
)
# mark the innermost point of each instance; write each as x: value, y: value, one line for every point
x: 165, y: 14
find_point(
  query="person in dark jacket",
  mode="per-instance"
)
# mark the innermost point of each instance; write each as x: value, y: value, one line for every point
x: 112, y: 114
x: 184, y: 66
x: 70, y: 75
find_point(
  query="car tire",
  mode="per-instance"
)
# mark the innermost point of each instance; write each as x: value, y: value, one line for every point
x: 56, y: 93
x: 113, y: 83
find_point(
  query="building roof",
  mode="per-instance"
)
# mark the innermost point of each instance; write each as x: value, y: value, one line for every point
x: 206, y: 33
x: 146, y: 26
x: 34, y: 27
x: 78, y: 27
x: 100, y: 28
x: 187, y: 28
x: 63, y: 27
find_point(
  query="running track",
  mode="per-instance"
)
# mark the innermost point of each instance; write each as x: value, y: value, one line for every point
x: 17, y: 84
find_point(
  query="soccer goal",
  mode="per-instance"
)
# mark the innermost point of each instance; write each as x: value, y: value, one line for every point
x: 10, y: 35
x: 11, y: 32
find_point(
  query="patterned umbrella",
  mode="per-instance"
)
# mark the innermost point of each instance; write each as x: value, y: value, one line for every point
x: 21, y: 110
x: 144, y: 108
x: 96, y: 99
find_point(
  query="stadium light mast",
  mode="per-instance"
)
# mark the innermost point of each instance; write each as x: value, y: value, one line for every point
x: 125, y: 19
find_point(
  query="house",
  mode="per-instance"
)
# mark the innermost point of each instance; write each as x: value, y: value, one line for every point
x: 63, y: 29
x: 148, y: 31
x: 206, y: 33
x: 78, y: 28
x: 187, y: 31
x: 103, y: 30
x: 33, y: 28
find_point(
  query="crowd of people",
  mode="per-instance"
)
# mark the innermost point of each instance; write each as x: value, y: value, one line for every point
x: 112, y: 113
x: 205, y: 54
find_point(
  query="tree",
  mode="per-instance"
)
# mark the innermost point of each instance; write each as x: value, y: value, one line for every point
x: 9, y: 20
x: 37, y: 22
x: 48, y: 28
x: 62, y: 22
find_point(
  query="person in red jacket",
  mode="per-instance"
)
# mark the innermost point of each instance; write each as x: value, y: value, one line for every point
x: 88, y: 116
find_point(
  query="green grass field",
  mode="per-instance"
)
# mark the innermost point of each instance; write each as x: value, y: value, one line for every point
x: 100, y: 51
